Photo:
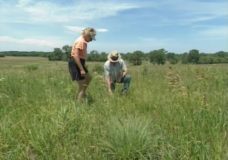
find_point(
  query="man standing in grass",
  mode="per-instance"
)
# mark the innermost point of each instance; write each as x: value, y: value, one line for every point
x: 115, y: 71
x: 77, y: 67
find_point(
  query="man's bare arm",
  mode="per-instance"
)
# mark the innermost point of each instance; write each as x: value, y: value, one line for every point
x: 77, y: 61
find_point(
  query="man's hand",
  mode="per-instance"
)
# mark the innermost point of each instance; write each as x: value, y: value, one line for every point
x: 110, y: 92
x: 83, y: 73
x: 121, y: 75
x: 109, y: 85
x: 124, y: 73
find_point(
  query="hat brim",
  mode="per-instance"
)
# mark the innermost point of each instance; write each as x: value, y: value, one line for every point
x: 111, y: 60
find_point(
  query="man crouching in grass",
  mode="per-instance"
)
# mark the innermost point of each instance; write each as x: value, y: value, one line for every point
x: 77, y: 67
x: 115, y: 71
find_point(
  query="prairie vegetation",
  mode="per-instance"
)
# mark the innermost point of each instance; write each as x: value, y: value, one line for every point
x: 171, y: 112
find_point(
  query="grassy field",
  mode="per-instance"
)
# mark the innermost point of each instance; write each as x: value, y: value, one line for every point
x: 172, y: 112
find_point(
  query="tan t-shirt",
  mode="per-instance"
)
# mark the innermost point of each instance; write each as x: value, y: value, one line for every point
x: 80, y: 44
x: 114, y: 72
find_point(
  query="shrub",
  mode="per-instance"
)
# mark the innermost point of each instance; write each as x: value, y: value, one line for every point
x: 2, y: 55
x: 98, y: 69
x: 31, y: 67
x: 128, y: 139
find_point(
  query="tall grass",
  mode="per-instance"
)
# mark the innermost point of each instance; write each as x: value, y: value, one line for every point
x: 170, y: 113
x: 130, y: 138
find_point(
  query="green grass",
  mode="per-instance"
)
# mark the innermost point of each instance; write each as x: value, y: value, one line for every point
x: 170, y: 113
x: 130, y: 138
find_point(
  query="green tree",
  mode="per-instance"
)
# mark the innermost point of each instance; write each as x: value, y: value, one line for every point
x: 66, y: 52
x: 158, y: 56
x: 171, y: 58
x: 206, y: 59
x: 184, y: 58
x: 2, y: 55
x: 193, y: 56
x: 221, y: 54
x: 57, y: 54
x: 93, y: 56
x: 103, y: 56
x: 136, y: 57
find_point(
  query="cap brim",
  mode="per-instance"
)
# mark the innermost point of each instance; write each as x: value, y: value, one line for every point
x: 93, y: 38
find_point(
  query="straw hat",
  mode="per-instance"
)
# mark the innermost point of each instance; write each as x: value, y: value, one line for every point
x: 114, y: 56
x: 89, y: 31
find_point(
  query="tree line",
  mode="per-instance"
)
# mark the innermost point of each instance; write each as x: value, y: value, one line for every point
x: 159, y: 56
x: 25, y: 53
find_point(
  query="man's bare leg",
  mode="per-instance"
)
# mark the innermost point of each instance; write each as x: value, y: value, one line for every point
x: 83, y: 85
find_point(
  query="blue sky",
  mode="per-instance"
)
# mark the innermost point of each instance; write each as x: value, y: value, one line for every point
x: 124, y: 25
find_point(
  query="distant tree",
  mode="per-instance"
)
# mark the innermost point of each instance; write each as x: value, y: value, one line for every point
x: 96, y: 56
x: 95, y: 52
x: 66, y: 52
x: 136, y: 57
x: 126, y: 56
x: 206, y: 59
x: 2, y: 55
x: 221, y: 54
x: 57, y: 54
x: 103, y: 56
x: 171, y: 58
x: 193, y: 56
x: 184, y: 58
x: 158, y: 56
x: 93, y: 56
x: 25, y: 53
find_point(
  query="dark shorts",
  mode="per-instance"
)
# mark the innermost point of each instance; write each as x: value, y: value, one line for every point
x: 75, y: 71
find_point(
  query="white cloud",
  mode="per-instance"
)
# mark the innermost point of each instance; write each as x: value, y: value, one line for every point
x: 77, y: 29
x: 50, y: 15
x: 194, y: 7
x: 22, y: 3
x: 215, y: 32
x: 74, y: 29
x: 31, y: 41
x: 191, y: 12
x: 46, y: 11
x: 31, y: 11
x: 198, y: 18
x: 102, y: 30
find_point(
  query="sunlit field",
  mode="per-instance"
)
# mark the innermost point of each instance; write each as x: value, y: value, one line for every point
x: 172, y: 112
